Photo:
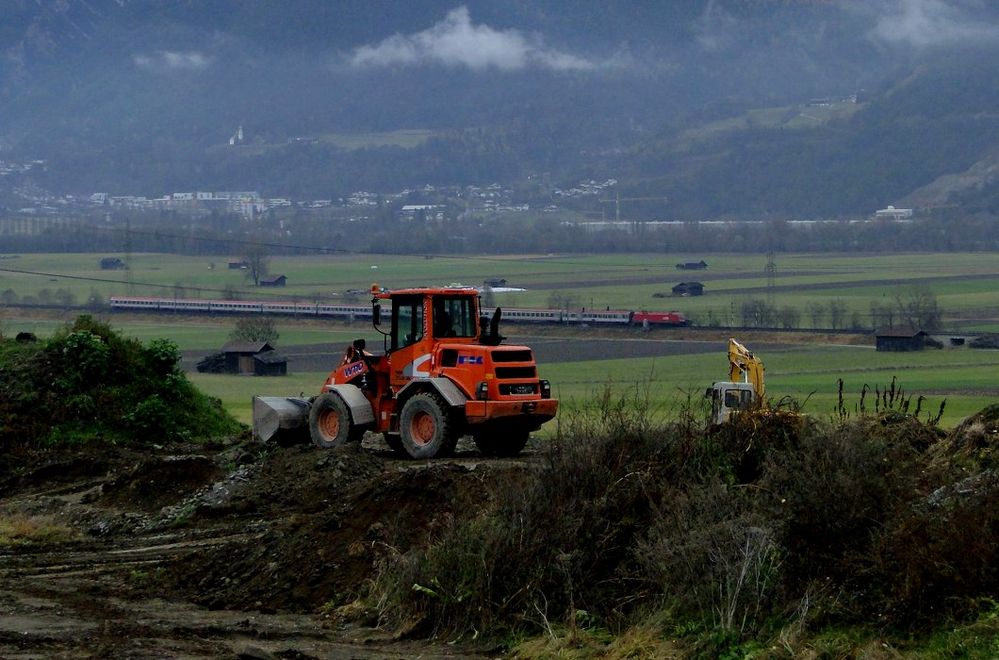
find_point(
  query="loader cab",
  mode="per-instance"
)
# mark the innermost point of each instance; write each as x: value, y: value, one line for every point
x: 440, y: 317
x: 727, y: 398
x: 421, y: 319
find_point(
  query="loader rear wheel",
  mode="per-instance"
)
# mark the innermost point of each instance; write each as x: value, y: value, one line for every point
x: 426, y: 428
x: 330, y: 424
x: 504, y: 443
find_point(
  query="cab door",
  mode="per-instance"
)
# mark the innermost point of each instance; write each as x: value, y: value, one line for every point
x: 411, y: 345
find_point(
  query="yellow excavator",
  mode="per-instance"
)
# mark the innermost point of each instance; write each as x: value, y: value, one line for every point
x: 745, y: 388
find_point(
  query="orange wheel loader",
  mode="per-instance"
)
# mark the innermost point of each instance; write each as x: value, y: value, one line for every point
x: 444, y: 373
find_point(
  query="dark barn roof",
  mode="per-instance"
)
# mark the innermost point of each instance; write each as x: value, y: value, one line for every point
x: 251, y: 347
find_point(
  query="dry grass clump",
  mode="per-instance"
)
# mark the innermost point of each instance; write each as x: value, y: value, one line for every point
x: 19, y: 528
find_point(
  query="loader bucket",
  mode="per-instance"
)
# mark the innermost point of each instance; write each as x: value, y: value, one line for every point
x: 280, y: 419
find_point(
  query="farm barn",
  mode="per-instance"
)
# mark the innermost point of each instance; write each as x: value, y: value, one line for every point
x: 900, y: 340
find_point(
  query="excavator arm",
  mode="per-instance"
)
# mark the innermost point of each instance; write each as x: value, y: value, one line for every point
x: 745, y: 367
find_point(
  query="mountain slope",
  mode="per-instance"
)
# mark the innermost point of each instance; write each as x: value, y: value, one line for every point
x: 142, y: 97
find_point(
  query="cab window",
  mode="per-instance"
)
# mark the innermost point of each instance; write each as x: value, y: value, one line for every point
x: 738, y: 399
x: 454, y: 316
x: 407, y: 321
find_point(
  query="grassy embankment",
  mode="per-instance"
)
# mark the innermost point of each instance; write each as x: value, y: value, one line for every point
x: 646, y: 536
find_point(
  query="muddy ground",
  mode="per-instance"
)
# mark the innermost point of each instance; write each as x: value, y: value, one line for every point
x: 228, y: 550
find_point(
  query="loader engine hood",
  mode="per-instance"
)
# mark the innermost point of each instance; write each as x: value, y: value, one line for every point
x: 507, y: 371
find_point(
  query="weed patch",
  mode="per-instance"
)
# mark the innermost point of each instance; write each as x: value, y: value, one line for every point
x: 744, y: 538
x: 19, y: 529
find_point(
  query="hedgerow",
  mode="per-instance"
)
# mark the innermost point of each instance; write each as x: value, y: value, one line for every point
x: 89, y: 383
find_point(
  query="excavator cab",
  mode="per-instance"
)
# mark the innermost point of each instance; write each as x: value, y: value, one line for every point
x: 745, y: 389
x: 728, y: 398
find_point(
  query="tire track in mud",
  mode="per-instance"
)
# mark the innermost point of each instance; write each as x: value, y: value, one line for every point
x: 103, y: 596
x: 110, y: 555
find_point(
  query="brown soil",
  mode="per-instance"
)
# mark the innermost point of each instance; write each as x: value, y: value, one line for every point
x: 220, y: 551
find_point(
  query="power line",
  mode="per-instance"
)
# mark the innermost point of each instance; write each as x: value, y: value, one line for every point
x: 323, y: 249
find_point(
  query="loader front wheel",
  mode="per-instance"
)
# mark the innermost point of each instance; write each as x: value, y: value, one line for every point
x: 426, y: 428
x: 501, y: 443
x: 330, y: 424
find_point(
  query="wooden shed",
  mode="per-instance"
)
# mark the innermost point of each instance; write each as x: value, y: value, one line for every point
x: 277, y: 280
x: 256, y: 358
x: 692, y: 265
x: 688, y: 289
x: 270, y: 363
x: 896, y: 339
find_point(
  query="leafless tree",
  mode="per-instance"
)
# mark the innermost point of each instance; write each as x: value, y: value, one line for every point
x: 837, y: 313
x: 790, y: 317
x: 816, y: 311
x: 254, y: 328
x: 918, y: 308
x: 882, y: 316
x: 257, y: 262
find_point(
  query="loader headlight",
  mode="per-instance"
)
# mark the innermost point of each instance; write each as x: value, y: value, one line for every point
x: 546, y: 389
x: 482, y: 391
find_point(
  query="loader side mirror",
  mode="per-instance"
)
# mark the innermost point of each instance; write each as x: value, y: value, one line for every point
x: 376, y: 314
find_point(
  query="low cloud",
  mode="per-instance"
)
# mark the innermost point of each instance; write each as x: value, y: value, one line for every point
x: 166, y: 61
x: 715, y: 29
x: 924, y: 23
x: 456, y: 41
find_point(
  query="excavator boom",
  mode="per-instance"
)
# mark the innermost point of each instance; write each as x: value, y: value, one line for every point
x: 745, y: 367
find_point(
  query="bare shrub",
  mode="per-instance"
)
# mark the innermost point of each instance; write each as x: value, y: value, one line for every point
x: 944, y: 552
x: 709, y: 554
x: 533, y: 559
x: 834, y: 492
x: 759, y: 529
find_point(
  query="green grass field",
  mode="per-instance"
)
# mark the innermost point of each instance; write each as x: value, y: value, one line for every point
x: 809, y: 374
x: 965, y: 379
x: 966, y: 287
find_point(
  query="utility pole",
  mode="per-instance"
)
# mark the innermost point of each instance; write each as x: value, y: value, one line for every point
x: 129, y: 287
x: 771, y: 270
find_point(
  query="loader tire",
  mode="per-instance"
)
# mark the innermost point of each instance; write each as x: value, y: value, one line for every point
x: 426, y: 428
x: 501, y: 443
x: 330, y: 424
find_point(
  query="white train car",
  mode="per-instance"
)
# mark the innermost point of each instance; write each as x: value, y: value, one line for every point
x: 358, y: 312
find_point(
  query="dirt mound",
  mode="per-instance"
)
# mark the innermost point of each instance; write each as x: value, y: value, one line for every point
x: 333, y: 515
x: 159, y: 481
x: 976, y: 439
x: 105, y: 532
x: 33, y: 472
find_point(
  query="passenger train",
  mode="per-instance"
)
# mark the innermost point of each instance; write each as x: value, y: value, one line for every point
x: 363, y: 312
